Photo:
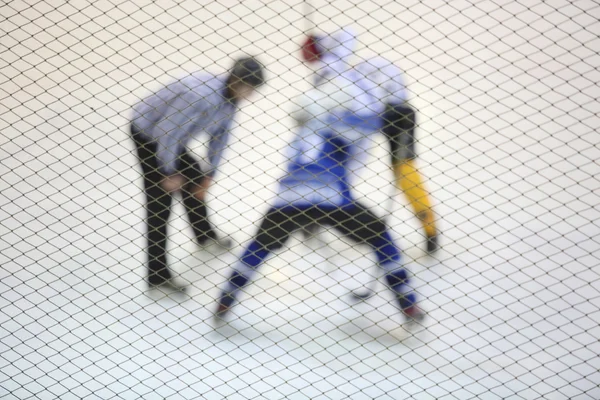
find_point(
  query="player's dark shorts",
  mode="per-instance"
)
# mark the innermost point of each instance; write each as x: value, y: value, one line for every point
x: 187, y: 165
x: 399, y: 127
x: 352, y: 220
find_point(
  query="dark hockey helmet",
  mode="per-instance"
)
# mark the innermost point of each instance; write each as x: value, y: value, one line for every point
x: 249, y: 71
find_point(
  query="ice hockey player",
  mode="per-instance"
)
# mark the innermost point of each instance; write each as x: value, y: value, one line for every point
x: 384, y: 81
x: 336, y: 119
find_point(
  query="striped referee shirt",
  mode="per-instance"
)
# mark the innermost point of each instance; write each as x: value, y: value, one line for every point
x: 181, y: 110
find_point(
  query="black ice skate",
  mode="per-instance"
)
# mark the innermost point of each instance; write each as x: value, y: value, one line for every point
x: 224, y: 306
x: 433, y: 244
x: 223, y: 243
x: 167, y: 285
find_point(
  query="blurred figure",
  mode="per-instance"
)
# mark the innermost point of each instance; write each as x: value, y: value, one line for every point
x: 335, y: 121
x: 383, y: 80
x: 162, y: 125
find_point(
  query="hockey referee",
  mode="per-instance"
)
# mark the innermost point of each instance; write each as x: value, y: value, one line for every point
x: 161, y: 127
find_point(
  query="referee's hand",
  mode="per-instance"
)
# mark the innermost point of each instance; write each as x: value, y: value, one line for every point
x: 172, y: 183
x: 199, y: 191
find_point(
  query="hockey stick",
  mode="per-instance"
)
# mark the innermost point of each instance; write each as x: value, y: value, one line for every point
x: 360, y: 295
x: 364, y: 294
x: 308, y: 21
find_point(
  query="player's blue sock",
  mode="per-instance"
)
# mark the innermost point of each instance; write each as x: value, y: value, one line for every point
x: 398, y: 281
x: 388, y: 257
x: 254, y: 255
x: 385, y: 250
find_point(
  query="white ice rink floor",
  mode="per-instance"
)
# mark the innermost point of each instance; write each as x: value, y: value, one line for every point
x: 506, y: 323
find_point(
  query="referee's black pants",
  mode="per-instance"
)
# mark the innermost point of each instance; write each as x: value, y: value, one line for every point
x: 158, y: 205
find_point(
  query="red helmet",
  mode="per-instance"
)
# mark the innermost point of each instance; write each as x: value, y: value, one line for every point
x: 310, y: 49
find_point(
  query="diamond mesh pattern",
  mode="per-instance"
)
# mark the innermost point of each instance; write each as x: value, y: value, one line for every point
x: 506, y: 95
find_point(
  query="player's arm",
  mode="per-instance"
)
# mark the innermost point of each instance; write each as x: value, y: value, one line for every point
x: 300, y: 116
x: 179, y: 124
x: 219, y: 139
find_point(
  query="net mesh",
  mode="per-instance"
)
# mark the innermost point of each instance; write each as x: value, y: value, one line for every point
x: 507, y: 145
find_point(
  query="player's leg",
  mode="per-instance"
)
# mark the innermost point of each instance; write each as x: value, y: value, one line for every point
x: 275, y: 229
x: 158, y: 209
x: 196, y: 209
x: 401, y: 133
x: 411, y: 182
x: 157, y: 218
x: 361, y: 225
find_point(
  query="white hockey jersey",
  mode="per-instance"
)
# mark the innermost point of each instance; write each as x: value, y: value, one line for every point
x: 336, y: 120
